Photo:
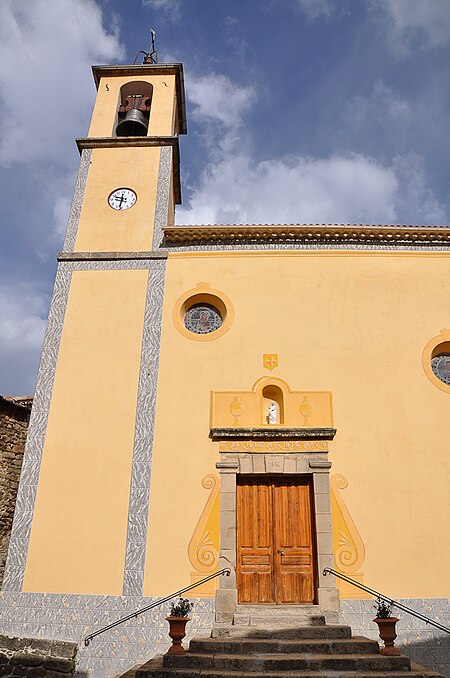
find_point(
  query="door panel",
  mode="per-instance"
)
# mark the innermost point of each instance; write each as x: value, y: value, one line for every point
x: 275, y: 556
x: 255, y: 557
x: 294, y: 576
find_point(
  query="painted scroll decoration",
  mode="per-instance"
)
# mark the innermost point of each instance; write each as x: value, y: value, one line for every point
x: 349, y: 551
x: 203, y: 550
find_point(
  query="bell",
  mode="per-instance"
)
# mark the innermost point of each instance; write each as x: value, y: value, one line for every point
x: 133, y: 125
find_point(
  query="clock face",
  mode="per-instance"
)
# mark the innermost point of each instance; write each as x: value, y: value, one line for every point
x: 122, y: 199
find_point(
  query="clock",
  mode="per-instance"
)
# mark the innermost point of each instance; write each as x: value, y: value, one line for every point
x: 122, y: 199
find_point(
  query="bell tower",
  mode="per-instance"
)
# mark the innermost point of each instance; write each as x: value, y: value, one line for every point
x: 132, y: 145
x: 82, y: 508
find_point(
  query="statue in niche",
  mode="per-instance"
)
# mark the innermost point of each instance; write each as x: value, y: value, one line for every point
x: 272, y: 414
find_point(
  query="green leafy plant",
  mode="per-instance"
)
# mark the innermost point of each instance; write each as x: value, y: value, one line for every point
x: 182, y: 608
x: 383, y: 609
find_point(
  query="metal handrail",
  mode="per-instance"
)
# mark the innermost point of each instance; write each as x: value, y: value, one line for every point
x: 226, y: 571
x: 391, y: 601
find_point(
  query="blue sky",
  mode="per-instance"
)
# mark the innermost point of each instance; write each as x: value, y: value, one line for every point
x: 299, y: 111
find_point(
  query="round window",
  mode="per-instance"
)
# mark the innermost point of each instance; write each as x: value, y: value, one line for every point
x: 440, y: 365
x: 202, y: 318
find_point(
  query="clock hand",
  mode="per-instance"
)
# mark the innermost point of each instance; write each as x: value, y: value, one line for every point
x: 121, y: 200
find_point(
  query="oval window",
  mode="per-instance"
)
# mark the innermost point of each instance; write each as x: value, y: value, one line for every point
x: 202, y: 318
x: 440, y: 365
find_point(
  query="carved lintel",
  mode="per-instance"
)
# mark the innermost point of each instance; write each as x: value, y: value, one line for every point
x: 273, y: 446
x: 273, y: 433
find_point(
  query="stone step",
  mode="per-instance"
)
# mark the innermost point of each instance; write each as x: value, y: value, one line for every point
x: 147, y: 671
x: 292, y: 662
x: 131, y: 673
x: 288, y: 615
x: 267, y: 615
x: 155, y: 669
x: 284, y: 610
x: 275, y: 619
x: 329, y: 631
x: 354, y: 645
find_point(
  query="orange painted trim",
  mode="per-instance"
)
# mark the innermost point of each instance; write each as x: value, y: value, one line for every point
x: 203, y: 293
x: 433, y: 348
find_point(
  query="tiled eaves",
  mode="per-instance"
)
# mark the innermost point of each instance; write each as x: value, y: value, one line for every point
x: 306, y: 234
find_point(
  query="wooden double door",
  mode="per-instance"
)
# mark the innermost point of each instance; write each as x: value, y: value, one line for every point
x: 275, y: 540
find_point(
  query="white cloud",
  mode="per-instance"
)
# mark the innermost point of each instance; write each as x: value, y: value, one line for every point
x: 219, y: 103
x: 172, y: 8
x: 422, y: 24
x: 217, y: 98
x: 52, y: 46
x: 47, y: 48
x: 415, y: 201
x: 315, y: 8
x: 383, y: 106
x: 23, y: 313
x: 338, y: 189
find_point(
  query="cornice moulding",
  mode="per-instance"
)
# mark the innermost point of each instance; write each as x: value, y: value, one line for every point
x: 329, y: 234
x: 273, y: 433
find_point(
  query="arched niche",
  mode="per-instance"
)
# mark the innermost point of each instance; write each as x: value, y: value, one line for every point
x: 272, y: 405
x: 133, y: 113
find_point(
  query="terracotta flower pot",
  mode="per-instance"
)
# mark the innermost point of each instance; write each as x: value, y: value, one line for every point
x: 177, y: 631
x: 387, y: 632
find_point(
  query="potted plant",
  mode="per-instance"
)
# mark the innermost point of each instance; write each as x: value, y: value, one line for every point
x: 386, y: 626
x: 178, y: 619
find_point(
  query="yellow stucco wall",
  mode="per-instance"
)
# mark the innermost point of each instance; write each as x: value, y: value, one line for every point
x: 353, y: 323
x: 79, y: 528
x: 103, y: 229
x: 162, y: 115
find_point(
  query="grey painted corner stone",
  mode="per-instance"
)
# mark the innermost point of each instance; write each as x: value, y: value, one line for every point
x: 77, y: 200
x: 143, y: 440
x: 162, y: 196
x: 23, y: 515
x: 138, y: 509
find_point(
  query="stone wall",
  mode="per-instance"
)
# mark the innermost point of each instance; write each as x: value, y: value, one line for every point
x: 36, y: 657
x: 14, y: 416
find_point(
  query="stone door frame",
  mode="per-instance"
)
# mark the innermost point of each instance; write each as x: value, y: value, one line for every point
x: 314, y: 464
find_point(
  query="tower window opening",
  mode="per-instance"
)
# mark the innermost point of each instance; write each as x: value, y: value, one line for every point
x: 133, y: 114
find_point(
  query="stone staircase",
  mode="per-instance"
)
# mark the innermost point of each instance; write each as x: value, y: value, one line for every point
x: 314, y: 651
x: 292, y: 615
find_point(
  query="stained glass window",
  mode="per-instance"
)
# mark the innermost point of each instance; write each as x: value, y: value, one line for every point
x: 202, y: 319
x: 441, y: 367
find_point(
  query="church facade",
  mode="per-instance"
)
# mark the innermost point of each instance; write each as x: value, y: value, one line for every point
x: 268, y: 398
